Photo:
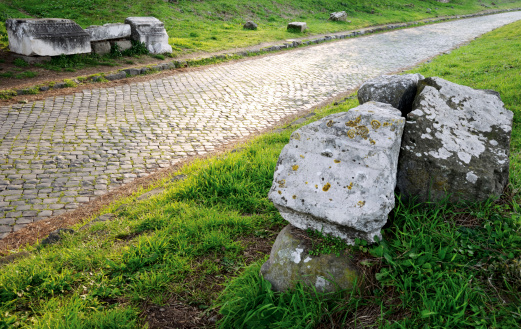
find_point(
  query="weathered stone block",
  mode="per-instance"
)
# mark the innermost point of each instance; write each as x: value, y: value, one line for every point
x: 151, y: 32
x: 338, y: 16
x: 101, y: 47
x: 297, y: 26
x: 338, y: 174
x: 456, y: 142
x: 46, y: 37
x: 122, y: 44
x: 290, y: 262
x: 397, y: 90
x: 108, y: 32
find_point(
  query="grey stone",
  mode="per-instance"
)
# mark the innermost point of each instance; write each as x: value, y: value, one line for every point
x: 151, y: 32
x: 132, y: 72
x: 250, y: 25
x: 55, y: 236
x: 101, y: 47
x: 108, y: 31
x: 297, y: 26
x: 290, y: 262
x: 456, y: 142
x: 122, y: 44
x: 44, y: 88
x: 338, y: 175
x: 397, y: 90
x: 34, y: 59
x: 151, y: 193
x: 116, y: 76
x: 338, y: 16
x: 46, y: 37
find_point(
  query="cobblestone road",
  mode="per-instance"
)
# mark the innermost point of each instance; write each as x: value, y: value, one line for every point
x: 64, y: 151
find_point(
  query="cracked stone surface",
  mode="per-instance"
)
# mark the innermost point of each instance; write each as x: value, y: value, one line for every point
x: 61, y: 152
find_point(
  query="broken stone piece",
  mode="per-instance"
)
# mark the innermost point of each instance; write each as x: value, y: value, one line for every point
x: 290, y: 262
x: 101, y: 47
x: 108, y: 31
x: 456, y: 142
x: 297, y: 26
x: 338, y: 175
x: 46, y: 37
x: 397, y: 90
x: 150, y: 31
x: 338, y: 16
x: 56, y: 236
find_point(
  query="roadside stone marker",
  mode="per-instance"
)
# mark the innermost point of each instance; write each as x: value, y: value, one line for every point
x: 46, y: 37
x: 338, y: 175
x: 151, y: 31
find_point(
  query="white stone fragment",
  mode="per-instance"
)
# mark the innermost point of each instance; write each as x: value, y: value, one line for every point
x: 150, y: 31
x: 338, y: 175
x: 46, y: 37
x: 108, y: 31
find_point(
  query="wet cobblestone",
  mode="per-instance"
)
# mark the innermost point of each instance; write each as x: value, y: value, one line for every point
x: 59, y: 153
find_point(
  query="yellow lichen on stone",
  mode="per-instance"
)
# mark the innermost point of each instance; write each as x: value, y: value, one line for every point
x: 354, y: 123
x: 326, y: 187
x: 361, y: 203
x: 296, y: 136
x: 372, y: 142
x: 336, y: 161
x: 282, y: 183
x: 376, y: 124
x: 330, y: 123
x: 350, y: 186
x: 386, y: 124
x: 294, y: 197
x: 280, y: 192
x: 316, y: 186
x: 362, y: 131
x: 306, y: 183
x: 295, y: 167
x: 351, y: 133
x: 302, y: 156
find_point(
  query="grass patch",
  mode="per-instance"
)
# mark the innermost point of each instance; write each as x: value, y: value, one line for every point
x: 438, y: 265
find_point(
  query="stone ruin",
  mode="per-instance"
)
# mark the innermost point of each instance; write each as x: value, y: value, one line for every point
x: 429, y: 138
x: 44, y: 38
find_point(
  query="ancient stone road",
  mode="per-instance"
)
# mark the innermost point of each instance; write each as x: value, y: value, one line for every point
x: 64, y: 151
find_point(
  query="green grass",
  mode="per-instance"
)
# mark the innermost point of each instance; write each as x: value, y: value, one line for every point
x: 217, y: 25
x: 429, y: 271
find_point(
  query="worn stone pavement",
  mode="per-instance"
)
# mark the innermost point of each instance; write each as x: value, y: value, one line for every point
x: 59, y: 153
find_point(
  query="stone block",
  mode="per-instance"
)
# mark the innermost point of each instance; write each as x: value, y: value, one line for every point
x: 397, y: 90
x: 151, y: 32
x: 297, y: 26
x: 290, y: 262
x: 116, y: 76
x: 101, y: 47
x: 456, y: 143
x: 250, y: 25
x: 338, y: 175
x: 122, y: 44
x: 46, y: 37
x: 108, y: 31
x: 338, y: 16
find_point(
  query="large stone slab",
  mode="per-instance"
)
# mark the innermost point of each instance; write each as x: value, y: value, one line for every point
x: 397, y: 90
x: 108, y: 31
x: 340, y: 16
x: 290, y: 262
x: 456, y: 142
x: 151, y: 31
x: 46, y: 37
x: 338, y: 175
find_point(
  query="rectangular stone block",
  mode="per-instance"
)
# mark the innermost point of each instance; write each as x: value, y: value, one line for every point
x: 108, y: 31
x: 46, y: 37
x: 150, y: 31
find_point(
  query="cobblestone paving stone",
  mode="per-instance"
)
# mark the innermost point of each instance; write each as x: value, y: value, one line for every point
x: 59, y: 153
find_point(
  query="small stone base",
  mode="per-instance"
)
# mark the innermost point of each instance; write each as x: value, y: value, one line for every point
x: 290, y: 263
x: 34, y: 59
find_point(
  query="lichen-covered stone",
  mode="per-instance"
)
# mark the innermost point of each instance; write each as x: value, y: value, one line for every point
x: 397, y: 90
x: 290, y: 262
x: 150, y: 31
x: 456, y: 142
x: 338, y: 16
x: 46, y: 37
x: 338, y: 174
x: 108, y: 31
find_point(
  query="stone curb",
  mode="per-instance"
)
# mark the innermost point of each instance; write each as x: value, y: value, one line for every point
x: 176, y: 64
